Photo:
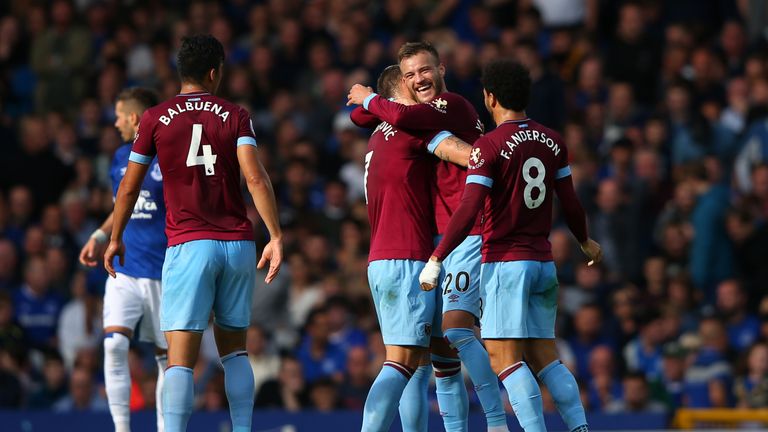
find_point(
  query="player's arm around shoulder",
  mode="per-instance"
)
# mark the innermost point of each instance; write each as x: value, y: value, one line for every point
x: 452, y: 149
x: 260, y: 188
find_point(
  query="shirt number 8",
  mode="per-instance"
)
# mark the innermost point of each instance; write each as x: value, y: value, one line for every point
x: 532, y: 183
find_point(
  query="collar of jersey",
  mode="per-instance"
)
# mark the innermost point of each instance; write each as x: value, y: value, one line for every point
x: 193, y: 94
x: 516, y: 121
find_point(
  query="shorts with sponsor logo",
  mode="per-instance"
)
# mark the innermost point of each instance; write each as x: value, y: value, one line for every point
x: 460, y: 277
x: 520, y: 300
x: 131, y: 301
x: 201, y: 276
x: 405, y: 311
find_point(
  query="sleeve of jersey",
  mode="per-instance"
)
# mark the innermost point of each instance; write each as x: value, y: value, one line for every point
x: 143, y: 149
x: 573, y: 213
x: 463, y: 219
x: 423, y: 116
x: 364, y: 119
x: 245, y: 133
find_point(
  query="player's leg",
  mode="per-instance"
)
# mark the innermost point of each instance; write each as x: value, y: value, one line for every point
x: 150, y: 332
x: 541, y: 352
x: 122, y: 310
x: 450, y: 388
x: 405, y: 315
x: 506, y: 286
x: 414, y: 404
x: 190, y: 271
x: 232, y: 315
x: 461, y: 300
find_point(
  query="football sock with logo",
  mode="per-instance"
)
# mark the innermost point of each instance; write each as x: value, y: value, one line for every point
x: 451, y: 393
x: 525, y: 396
x: 162, y: 363
x: 384, y: 396
x: 475, y: 359
x: 238, y: 384
x: 178, y: 394
x: 414, y: 406
x: 117, y: 379
x: 565, y: 392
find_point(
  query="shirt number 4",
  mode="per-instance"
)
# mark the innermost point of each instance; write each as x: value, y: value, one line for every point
x: 208, y: 159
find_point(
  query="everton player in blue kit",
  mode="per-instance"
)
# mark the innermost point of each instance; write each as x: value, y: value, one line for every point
x: 512, y: 174
x: 132, y: 297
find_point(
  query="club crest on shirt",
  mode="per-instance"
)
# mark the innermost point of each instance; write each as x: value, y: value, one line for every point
x: 156, y: 174
x: 440, y: 104
x: 475, y: 159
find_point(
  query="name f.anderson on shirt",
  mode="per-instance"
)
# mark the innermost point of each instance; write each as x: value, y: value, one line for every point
x: 194, y: 106
x: 529, y: 135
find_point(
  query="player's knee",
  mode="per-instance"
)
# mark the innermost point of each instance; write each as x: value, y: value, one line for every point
x: 116, y: 347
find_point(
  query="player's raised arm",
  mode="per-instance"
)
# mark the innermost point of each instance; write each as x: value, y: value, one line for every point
x: 364, y: 119
x: 260, y: 188
x: 422, y: 116
x: 126, y: 198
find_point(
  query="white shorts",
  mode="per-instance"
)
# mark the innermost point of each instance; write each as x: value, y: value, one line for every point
x: 128, y: 300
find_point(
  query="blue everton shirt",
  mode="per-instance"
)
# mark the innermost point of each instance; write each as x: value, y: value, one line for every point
x: 144, y: 236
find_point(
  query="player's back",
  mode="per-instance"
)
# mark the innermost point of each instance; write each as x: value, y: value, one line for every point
x: 518, y: 217
x: 195, y: 137
x: 398, y: 179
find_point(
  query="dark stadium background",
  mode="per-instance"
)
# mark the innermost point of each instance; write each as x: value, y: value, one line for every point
x: 662, y: 104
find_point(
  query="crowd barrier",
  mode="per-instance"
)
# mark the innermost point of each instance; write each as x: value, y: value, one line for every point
x: 279, y: 421
x: 721, y: 418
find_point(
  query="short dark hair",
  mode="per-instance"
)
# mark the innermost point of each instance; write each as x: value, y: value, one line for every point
x: 142, y: 97
x: 509, y: 81
x: 388, y: 80
x: 410, y: 49
x: 198, y: 55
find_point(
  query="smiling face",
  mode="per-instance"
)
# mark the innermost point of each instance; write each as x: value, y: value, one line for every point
x: 423, y: 75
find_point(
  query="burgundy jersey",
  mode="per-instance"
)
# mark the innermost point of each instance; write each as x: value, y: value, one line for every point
x: 195, y: 137
x: 447, y: 112
x: 519, y: 161
x: 398, y: 191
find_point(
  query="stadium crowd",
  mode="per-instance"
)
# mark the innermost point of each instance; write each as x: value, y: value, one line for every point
x: 663, y: 107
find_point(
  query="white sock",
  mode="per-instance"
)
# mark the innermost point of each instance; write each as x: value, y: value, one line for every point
x: 162, y: 363
x: 117, y: 379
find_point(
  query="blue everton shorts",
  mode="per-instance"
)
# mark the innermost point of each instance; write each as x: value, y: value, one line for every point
x: 405, y: 311
x: 201, y: 276
x: 520, y: 300
x: 460, y: 277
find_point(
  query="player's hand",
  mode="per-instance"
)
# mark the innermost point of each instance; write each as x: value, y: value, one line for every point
x: 116, y: 248
x: 593, y: 251
x: 429, y: 274
x: 357, y: 94
x: 94, y: 249
x: 273, y: 252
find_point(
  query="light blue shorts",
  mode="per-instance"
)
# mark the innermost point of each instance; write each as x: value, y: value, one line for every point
x: 520, y: 300
x: 201, y: 276
x: 460, y: 278
x: 405, y: 311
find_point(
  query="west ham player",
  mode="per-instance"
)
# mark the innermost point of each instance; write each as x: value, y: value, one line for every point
x: 423, y: 74
x: 398, y: 176
x: 518, y: 166
x: 133, y: 296
x: 203, y: 143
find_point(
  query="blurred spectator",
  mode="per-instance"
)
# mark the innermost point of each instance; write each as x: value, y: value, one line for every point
x: 343, y: 332
x: 11, y: 391
x: 742, y: 326
x: 264, y: 363
x: 319, y: 356
x: 588, y: 335
x: 668, y: 387
x: 9, y: 261
x: 79, y: 325
x: 604, y: 387
x: 54, y: 385
x: 548, y: 94
x: 324, y: 395
x: 643, y: 354
x: 751, y: 387
x: 708, y: 375
x: 636, y: 397
x: 750, y: 242
x: 11, y: 335
x: 82, y: 396
x: 357, y: 379
x: 287, y: 392
x: 37, y: 309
